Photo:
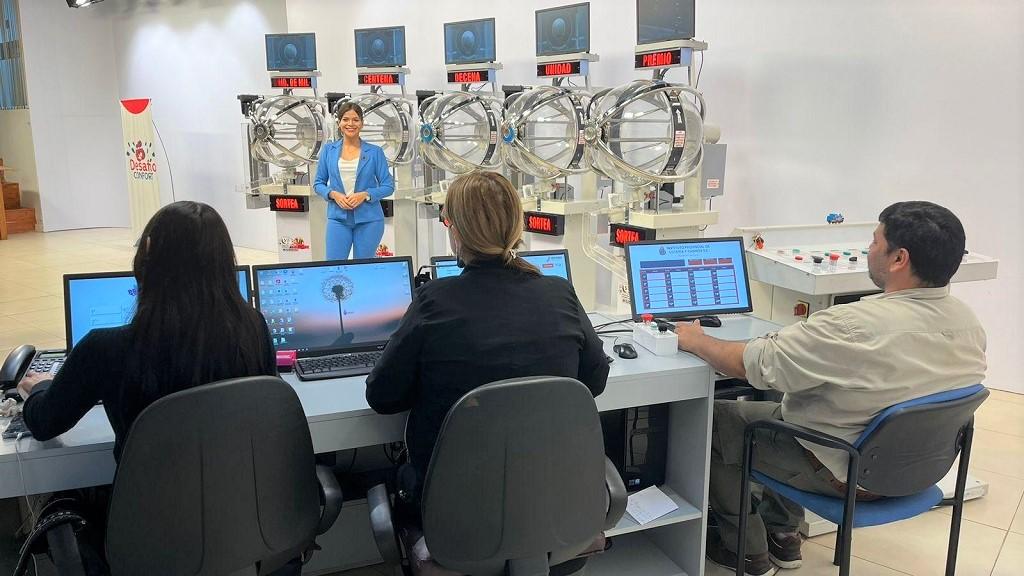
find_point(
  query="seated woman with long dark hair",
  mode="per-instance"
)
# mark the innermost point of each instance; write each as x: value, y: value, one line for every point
x: 191, y: 327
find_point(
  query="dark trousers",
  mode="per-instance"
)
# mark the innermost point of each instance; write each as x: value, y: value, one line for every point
x: 778, y: 456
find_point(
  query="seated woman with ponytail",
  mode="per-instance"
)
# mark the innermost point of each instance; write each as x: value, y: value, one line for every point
x: 499, y: 319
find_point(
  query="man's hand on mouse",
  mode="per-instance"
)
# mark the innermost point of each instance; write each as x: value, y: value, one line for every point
x: 687, y: 334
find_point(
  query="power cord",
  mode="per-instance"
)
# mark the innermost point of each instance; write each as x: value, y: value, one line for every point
x: 167, y: 158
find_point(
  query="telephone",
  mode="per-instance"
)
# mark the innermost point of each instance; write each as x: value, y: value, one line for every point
x: 16, y: 365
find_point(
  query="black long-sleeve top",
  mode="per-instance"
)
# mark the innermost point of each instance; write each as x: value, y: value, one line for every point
x: 490, y: 323
x: 96, y: 369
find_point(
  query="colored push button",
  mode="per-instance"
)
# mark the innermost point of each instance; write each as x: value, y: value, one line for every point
x: 853, y: 258
x: 846, y: 253
x: 647, y: 318
x: 798, y: 258
x: 817, y: 259
x: 796, y: 250
x: 833, y: 257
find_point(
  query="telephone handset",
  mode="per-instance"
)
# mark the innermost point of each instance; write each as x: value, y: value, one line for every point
x: 16, y: 365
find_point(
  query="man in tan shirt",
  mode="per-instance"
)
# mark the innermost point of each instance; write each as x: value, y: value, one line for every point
x: 838, y: 369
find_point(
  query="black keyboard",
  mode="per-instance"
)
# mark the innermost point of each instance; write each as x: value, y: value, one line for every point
x: 336, y: 365
x: 16, y: 427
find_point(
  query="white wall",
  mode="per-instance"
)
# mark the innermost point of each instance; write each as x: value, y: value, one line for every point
x: 76, y: 123
x: 18, y: 153
x: 193, y: 57
x: 826, y: 106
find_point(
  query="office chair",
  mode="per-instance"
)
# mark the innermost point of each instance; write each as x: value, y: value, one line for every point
x: 518, y: 482
x: 900, y: 456
x: 219, y: 480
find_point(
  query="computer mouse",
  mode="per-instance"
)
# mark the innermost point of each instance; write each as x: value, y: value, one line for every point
x: 625, y: 351
x: 710, y: 322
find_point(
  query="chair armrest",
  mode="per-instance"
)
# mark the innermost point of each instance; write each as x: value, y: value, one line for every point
x: 617, y: 496
x: 801, y: 432
x: 382, y: 523
x: 331, y: 498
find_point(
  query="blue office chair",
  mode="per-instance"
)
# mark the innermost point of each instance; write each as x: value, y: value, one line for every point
x: 900, y: 456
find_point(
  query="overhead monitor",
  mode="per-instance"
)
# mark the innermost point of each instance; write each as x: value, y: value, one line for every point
x: 469, y: 41
x: 107, y: 300
x: 664, y: 20
x: 678, y: 279
x: 380, y: 47
x: 549, y: 262
x: 335, y: 306
x: 291, y: 52
x: 563, y: 30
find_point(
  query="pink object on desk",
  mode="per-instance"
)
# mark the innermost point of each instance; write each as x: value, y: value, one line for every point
x: 286, y: 358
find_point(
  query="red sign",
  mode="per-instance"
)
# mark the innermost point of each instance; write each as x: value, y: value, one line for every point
x: 468, y: 77
x: 661, y: 59
x: 378, y: 79
x: 541, y: 223
x: 291, y: 82
x: 289, y: 203
x: 622, y: 234
x: 558, y: 69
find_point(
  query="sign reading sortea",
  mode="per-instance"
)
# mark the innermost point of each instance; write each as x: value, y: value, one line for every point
x: 140, y: 161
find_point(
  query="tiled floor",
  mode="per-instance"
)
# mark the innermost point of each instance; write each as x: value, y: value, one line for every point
x: 992, y: 537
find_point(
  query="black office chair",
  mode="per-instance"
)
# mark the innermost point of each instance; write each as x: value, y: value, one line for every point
x: 518, y: 482
x: 900, y: 456
x: 217, y: 480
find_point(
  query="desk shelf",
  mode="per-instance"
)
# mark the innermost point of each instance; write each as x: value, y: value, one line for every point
x: 636, y: 555
x: 685, y: 513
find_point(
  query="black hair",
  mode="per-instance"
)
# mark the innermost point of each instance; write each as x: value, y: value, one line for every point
x: 191, y: 325
x: 346, y: 106
x: 932, y: 235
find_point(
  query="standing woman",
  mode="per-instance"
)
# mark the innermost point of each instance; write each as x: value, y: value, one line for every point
x: 353, y: 177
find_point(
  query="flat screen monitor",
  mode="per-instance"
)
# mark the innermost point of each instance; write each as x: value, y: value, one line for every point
x: 380, y: 47
x: 335, y: 306
x: 677, y: 279
x: 291, y: 52
x: 469, y: 42
x: 563, y: 30
x: 107, y: 300
x: 664, y: 20
x: 549, y: 262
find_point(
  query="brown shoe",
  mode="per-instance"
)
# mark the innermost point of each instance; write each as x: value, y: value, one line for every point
x: 784, y: 549
x: 756, y: 564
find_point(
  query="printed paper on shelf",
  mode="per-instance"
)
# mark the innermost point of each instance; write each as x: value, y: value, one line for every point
x: 141, y: 161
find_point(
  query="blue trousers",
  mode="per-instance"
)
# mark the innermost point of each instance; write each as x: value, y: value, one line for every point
x: 343, y: 236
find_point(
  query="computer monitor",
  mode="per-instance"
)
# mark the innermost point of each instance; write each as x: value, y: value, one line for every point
x: 664, y: 20
x: 107, y: 300
x: 291, y: 52
x: 677, y: 279
x: 380, y: 47
x: 318, y: 308
x: 549, y: 262
x: 469, y: 41
x: 563, y: 30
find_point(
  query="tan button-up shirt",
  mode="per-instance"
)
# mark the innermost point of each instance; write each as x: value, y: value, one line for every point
x: 846, y: 363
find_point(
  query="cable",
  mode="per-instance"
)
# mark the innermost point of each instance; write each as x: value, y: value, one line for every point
x: 21, y: 472
x: 352, y: 462
x: 700, y: 69
x: 613, y: 332
x: 606, y: 324
x: 167, y: 158
x: 705, y: 227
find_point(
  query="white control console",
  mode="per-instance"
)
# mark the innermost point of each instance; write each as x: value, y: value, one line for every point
x: 658, y: 342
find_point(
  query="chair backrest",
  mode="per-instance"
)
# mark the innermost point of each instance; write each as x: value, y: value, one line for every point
x: 213, y: 480
x: 517, y: 474
x: 910, y: 446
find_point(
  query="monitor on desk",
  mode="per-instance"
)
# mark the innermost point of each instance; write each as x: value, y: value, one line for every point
x: 678, y: 279
x: 317, y: 308
x: 549, y: 262
x: 107, y: 300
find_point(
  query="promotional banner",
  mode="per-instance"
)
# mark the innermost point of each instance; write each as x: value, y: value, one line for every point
x: 140, y: 161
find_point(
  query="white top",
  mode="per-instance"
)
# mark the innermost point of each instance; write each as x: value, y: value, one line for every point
x: 347, y: 168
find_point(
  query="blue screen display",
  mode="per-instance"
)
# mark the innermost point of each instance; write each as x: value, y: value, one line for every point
x: 291, y: 52
x: 331, y: 307
x: 563, y: 30
x: 676, y: 279
x: 549, y: 264
x: 664, y: 20
x: 380, y: 47
x: 469, y: 42
x: 109, y: 302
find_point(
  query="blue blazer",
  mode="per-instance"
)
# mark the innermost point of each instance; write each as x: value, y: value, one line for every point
x: 372, y: 177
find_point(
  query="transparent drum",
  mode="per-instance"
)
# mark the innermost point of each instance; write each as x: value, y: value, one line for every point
x: 459, y: 132
x: 543, y: 132
x: 646, y: 132
x: 387, y: 122
x: 287, y: 131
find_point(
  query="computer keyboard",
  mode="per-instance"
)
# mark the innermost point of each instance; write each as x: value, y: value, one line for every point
x: 16, y: 427
x: 336, y: 365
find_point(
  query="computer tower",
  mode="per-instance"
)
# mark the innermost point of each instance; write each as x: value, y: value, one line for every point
x: 636, y: 441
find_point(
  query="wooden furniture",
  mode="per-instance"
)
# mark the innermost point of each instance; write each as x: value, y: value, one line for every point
x: 13, y: 218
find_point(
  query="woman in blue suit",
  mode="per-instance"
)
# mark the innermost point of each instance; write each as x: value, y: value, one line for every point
x: 353, y: 177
